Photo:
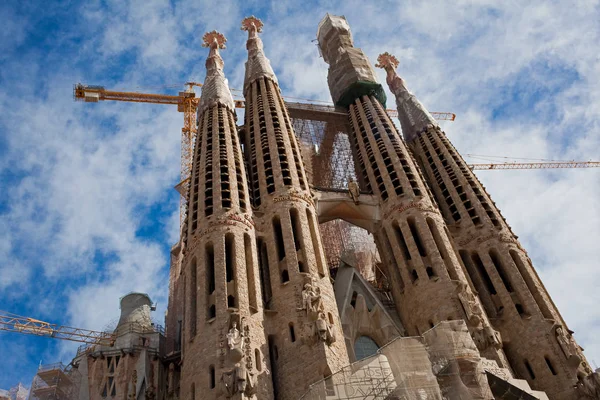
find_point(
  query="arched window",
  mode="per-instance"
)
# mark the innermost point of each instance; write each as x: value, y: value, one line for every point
x: 365, y: 347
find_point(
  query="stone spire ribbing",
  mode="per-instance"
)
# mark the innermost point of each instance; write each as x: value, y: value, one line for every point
x: 413, y: 116
x: 258, y: 65
x: 216, y: 88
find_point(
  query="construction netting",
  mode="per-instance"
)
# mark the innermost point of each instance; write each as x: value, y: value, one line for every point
x: 323, y: 133
x: 442, y: 364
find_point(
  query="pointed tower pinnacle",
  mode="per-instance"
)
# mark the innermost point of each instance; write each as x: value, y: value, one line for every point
x: 413, y: 116
x: 216, y: 87
x: 258, y: 65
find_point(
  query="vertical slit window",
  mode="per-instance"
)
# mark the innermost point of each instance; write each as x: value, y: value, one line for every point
x: 257, y: 360
x: 208, y: 172
x: 533, y: 289
x: 265, y: 275
x: 401, y: 240
x: 416, y: 237
x: 279, y: 243
x: 442, y: 249
x: 550, y: 366
x: 295, y: 220
x: 292, y: 333
x: 500, y: 268
x: 210, y: 279
x: 483, y: 273
x: 315, y: 242
x: 193, y: 298
x: 529, y: 369
x: 193, y: 392
x: 212, y: 376
x: 230, y: 257
x: 252, y: 303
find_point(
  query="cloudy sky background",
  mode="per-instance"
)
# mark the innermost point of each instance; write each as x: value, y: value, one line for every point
x: 87, y: 208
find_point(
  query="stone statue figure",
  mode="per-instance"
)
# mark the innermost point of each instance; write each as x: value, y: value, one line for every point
x: 470, y: 304
x: 234, y: 337
x: 353, y: 190
x: 311, y: 298
x: 568, y: 346
x: 324, y: 331
x: 237, y: 380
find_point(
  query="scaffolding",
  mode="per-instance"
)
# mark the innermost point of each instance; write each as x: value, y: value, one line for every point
x: 323, y: 133
x: 442, y: 364
x: 55, y: 382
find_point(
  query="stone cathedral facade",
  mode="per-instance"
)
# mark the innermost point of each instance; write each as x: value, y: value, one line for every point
x: 253, y: 310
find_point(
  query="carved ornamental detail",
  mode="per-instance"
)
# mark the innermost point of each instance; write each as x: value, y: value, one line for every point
x: 238, y: 378
x: 319, y: 327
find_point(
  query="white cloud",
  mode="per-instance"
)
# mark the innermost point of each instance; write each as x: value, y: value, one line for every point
x: 86, y: 174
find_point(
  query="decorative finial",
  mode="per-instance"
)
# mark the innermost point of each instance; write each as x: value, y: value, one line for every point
x: 215, y: 39
x: 386, y: 60
x: 252, y: 25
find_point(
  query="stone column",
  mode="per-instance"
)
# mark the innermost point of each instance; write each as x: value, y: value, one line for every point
x: 537, y: 341
x: 305, y: 336
x: 224, y: 341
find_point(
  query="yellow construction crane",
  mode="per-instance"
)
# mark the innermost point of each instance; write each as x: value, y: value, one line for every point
x: 15, y: 323
x: 538, y: 165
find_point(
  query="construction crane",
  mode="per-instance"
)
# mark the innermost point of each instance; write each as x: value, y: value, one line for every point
x: 537, y: 165
x: 15, y: 323
x: 186, y: 102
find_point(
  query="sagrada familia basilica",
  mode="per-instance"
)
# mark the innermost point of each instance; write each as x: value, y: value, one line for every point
x: 454, y: 309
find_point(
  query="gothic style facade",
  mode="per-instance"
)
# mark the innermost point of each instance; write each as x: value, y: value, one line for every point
x: 253, y: 310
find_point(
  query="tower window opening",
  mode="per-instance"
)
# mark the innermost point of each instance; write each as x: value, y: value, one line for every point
x: 529, y: 369
x: 285, y: 276
x: 550, y: 366
x: 353, y: 299
x: 401, y: 241
x: 301, y: 267
x: 413, y: 275
x: 210, y: 280
x: 430, y: 272
x: 265, y: 275
x: 292, y: 333
x: 295, y: 220
x: 193, y: 392
x: 230, y: 301
x: 500, y: 268
x: 315, y: 242
x: 230, y: 257
x: 212, y: 376
x: 533, y: 289
x: 519, y: 308
x: 483, y: 273
x: 279, y: 243
x: 212, y: 312
x: 193, y: 298
x: 417, y: 238
x: 250, y: 278
x: 257, y: 360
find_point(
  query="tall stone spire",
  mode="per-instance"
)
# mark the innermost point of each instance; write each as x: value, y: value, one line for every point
x: 296, y: 288
x: 414, y: 118
x: 222, y: 313
x: 216, y: 88
x: 258, y: 65
x: 540, y: 346
x: 422, y: 264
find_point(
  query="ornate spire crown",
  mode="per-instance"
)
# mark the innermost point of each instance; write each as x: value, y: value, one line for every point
x: 258, y: 64
x: 414, y: 117
x: 215, y: 89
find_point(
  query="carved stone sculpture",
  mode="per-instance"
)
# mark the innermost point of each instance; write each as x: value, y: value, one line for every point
x: 568, y: 346
x: 353, y: 190
x: 238, y: 380
x: 311, y: 299
x: 324, y: 331
x: 470, y: 304
x: 234, y: 337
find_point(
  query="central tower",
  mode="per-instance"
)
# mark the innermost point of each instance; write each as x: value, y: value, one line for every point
x: 428, y: 282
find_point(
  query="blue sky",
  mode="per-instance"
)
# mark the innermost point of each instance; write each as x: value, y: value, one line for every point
x: 87, y: 207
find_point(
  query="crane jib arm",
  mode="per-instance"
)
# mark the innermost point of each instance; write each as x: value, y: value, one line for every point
x: 93, y: 94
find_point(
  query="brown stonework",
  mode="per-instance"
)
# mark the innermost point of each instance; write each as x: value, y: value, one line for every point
x: 514, y: 297
x: 305, y: 336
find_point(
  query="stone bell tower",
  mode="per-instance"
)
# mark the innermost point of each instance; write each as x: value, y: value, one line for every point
x: 428, y: 282
x: 304, y: 333
x: 224, y: 345
x: 537, y: 341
